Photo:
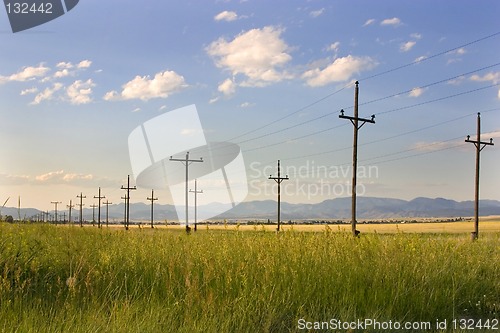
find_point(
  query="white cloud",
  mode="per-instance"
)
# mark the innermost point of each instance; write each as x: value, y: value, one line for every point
x: 257, y: 54
x: 227, y: 16
x: 49, y: 176
x: 333, y: 47
x: 434, y: 146
x: 136, y: 110
x: 143, y: 87
x: 47, y: 93
x: 405, y: 47
x: 316, y: 13
x: 416, y: 92
x: 456, y: 81
x: 419, y: 59
x: 79, y: 92
x: 369, y: 22
x: 416, y: 36
x: 84, y: 64
x: 491, y: 76
x: 228, y: 87
x: 29, y: 91
x: 392, y: 21
x: 342, y: 69
x: 26, y: 74
x: 61, y: 73
x: 64, y: 65
x: 213, y: 100
x: 246, y: 105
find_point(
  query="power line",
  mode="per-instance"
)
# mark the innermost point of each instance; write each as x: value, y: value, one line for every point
x: 365, y: 79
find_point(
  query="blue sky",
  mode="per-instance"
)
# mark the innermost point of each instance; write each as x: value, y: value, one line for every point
x: 73, y: 89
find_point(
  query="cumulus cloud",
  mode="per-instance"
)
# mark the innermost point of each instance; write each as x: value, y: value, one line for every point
x: 79, y: 92
x: 228, y: 87
x: 227, y: 16
x: 257, y: 54
x: 392, y: 21
x: 26, y: 74
x: 369, y: 22
x: 419, y: 59
x: 405, y: 47
x: 47, y: 93
x: 316, y: 13
x: 341, y: 69
x: 416, y: 92
x: 145, y: 88
x: 84, y: 64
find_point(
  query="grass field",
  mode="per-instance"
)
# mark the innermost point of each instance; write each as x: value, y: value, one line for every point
x: 71, y: 279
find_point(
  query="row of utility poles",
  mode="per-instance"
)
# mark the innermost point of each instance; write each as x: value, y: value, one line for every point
x: 127, y: 188
x: 358, y: 122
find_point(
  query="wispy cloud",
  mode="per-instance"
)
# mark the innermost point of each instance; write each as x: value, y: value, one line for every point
x: 391, y: 21
x: 26, y: 74
x: 405, y: 47
x: 316, y: 13
x: 369, y: 22
x: 227, y: 16
x: 416, y: 92
x: 162, y: 85
x: 47, y: 93
x: 228, y: 87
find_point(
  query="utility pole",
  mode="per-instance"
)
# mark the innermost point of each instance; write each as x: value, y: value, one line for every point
x: 81, y: 204
x: 195, y: 204
x: 127, y: 201
x: 99, y: 209
x: 56, y: 203
x: 70, y: 206
x: 152, y: 199
x: 94, y: 206
x: 107, y: 203
x: 479, y: 146
x: 279, y: 180
x: 356, y: 122
x: 64, y: 217
x: 186, y: 162
x: 125, y: 212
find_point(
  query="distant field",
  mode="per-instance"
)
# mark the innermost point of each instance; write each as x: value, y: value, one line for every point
x: 487, y: 224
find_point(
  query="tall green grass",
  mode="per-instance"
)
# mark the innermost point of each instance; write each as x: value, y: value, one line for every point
x: 69, y: 279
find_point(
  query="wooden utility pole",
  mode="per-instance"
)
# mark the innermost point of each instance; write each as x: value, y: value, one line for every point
x: 152, y: 199
x: 56, y: 203
x: 279, y: 180
x: 195, y: 203
x: 107, y: 203
x: 94, y: 206
x: 186, y: 161
x: 99, y: 197
x: 356, y: 122
x: 81, y: 204
x: 70, y: 206
x: 479, y: 146
x: 127, y: 202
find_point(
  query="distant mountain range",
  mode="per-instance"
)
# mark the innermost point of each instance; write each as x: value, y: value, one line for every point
x: 340, y: 208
